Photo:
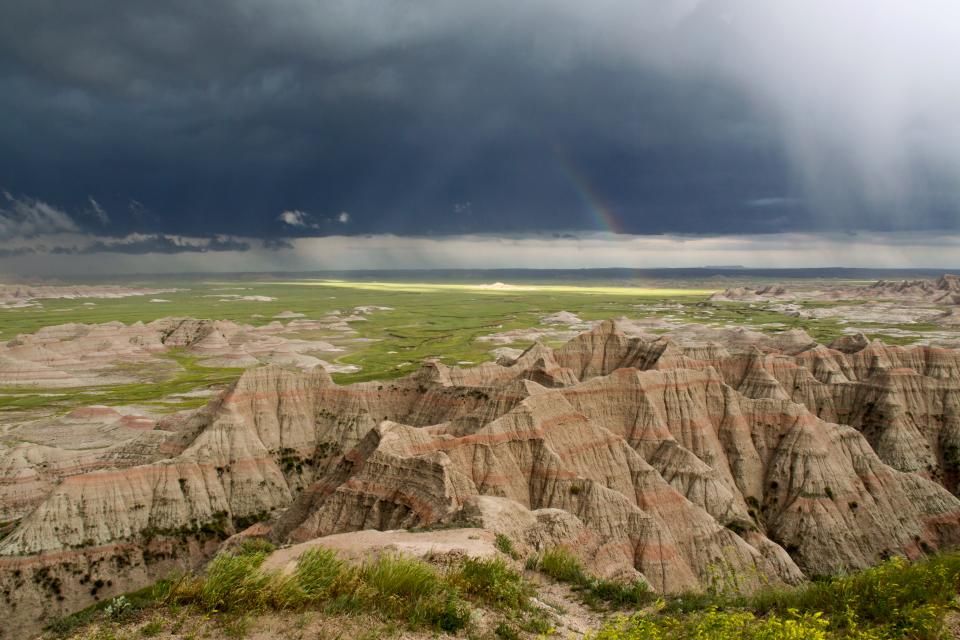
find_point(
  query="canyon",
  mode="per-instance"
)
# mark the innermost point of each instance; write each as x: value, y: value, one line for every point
x: 699, y: 455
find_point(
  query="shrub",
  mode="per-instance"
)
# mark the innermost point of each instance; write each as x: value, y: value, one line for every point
x: 538, y: 623
x: 136, y: 601
x: 452, y: 615
x: 118, y: 608
x: 895, y: 599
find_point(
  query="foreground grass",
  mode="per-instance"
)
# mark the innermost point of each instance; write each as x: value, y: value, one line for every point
x: 410, y: 592
x: 893, y: 600
x: 393, y: 586
x: 391, y: 593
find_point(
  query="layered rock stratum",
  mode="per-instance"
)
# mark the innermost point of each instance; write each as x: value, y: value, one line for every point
x: 682, y: 459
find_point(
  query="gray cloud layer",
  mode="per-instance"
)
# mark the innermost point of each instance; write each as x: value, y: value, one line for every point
x: 690, y: 116
x: 530, y: 251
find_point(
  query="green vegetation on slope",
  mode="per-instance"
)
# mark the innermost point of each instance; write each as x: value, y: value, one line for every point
x: 394, y: 587
x: 893, y: 600
x: 561, y: 565
x: 172, y: 373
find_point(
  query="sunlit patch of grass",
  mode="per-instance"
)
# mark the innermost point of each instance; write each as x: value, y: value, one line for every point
x: 318, y: 572
x: 431, y: 287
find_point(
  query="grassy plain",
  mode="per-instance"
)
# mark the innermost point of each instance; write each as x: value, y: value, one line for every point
x: 426, y: 320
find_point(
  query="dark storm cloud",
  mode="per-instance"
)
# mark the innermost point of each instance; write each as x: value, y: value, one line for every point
x: 17, y: 252
x: 160, y: 243
x: 155, y: 243
x: 220, y: 118
x: 276, y: 244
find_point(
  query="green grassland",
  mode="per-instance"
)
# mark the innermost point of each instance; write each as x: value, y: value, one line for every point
x: 426, y: 320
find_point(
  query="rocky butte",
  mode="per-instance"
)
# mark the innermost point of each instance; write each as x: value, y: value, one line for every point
x: 680, y: 459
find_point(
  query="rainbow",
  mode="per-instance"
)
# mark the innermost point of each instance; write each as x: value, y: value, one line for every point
x: 601, y: 212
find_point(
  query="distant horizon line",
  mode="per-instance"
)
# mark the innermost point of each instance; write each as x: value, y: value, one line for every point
x: 835, y: 271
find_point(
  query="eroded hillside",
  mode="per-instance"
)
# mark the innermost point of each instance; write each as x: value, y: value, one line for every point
x: 676, y: 459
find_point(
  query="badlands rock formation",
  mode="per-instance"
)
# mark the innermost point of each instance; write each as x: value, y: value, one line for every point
x: 21, y: 295
x: 681, y: 459
x: 945, y: 290
x: 41, y: 453
x: 886, y: 302
x: 74, y: 355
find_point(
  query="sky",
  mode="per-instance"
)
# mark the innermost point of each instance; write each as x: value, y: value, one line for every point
x: 295, y: 134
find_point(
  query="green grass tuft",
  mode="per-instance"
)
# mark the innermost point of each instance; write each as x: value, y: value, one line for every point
x: 255, y: 545
x: 493, y: 582
x: 561, y: 565
x: 319, y: 571
x: 151, y: 629
x: 233, y: 583
x: 395, y: 586
x: 505, y: 546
